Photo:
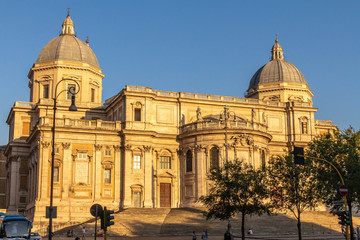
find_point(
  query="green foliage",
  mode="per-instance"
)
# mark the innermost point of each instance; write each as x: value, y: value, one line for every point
x: 236, y: 187
x: 294, y: 186
x: 342, y: 150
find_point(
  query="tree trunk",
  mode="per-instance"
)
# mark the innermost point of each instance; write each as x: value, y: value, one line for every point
x: 243, y: 226
x: 299, y: 225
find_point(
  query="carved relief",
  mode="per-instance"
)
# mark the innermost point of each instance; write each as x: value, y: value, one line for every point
x: 243, y: 139
x: 97, y: 147
x: 198, y: 147
x: 273, y: 98
x: 117, y: 148
x: 45, y: 144
x: 147, y: 148
x: 227, y: 145
x: 127, y: 147
x: 296, y: 98
x: 66, y: 145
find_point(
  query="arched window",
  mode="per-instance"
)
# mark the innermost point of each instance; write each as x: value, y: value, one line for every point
x: 214, y: 157
x: 188, y: 161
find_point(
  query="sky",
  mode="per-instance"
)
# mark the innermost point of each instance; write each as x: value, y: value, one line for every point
x: 200, y: 46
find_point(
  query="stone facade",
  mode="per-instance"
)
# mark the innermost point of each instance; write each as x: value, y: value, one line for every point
x: 142, y: 147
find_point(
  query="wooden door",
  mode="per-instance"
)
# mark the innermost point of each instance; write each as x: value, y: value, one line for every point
x: 165, y: 195
x: 137, y: 199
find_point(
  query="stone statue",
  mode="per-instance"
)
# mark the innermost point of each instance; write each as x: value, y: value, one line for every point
x: 253, y: 115
x: 264, y: 117
x: 198, y: 114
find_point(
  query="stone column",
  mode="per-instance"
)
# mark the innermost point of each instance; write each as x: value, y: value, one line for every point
x: 127, y: 174
x: 14, y: 184
x: 148, y: 177
x: 97, y: 172
x: 117, y: 173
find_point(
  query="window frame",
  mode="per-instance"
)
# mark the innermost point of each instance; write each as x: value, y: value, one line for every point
x: 212, y: 160
x: 188, y: 161
x: 165, y: 164
x: 109, y: 177
x: 137, y: 114
x: 137, y: 161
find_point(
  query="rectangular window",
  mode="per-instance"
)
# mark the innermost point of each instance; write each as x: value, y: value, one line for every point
x: 138, y: 114
x: 165, y: 162
x: 23, y: 182
x: 46, y: 91
x: 26, y: 128
x: 107, y: 152
x: 137, y: 161
x: 56, y: 175
x: 82, y: 156
x: 107, y: 176
x: 92, y: 95
x: 304, y: 128
x: 68, y: 92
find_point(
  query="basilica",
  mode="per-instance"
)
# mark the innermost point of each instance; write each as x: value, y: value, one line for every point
x: 142, y: 148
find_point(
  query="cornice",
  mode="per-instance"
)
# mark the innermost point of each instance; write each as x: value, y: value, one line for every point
x: 47, y: 67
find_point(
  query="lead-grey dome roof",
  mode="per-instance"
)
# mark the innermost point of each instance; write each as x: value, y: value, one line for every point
x: 277, y: 70
x: 67, y: 47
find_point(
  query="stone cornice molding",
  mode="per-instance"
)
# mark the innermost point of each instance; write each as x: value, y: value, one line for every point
x: 83, y: 68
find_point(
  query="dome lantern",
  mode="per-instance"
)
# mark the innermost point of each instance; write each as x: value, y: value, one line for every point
x: 277, y: 51
x: 68, y: 25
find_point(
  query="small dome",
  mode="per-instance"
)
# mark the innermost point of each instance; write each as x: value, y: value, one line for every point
x: 67, y: 47
x: 277, y: 70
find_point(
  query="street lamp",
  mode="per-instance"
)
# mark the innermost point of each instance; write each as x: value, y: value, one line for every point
x: 73, y: 92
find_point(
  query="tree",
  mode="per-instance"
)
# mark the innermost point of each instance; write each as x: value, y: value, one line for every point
x: 342, y: 150
x: 236, y: 188
x: 294, y: 189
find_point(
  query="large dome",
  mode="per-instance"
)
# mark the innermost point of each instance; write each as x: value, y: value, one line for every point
x: 68, y: 47
x: 276, y: 71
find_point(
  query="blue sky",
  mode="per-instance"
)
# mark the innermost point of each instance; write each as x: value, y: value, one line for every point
x: 202, y: 46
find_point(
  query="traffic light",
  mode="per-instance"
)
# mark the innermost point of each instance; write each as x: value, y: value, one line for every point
x: 298, y: 155
x: 347, y: 218
x: 108, y: 218
x: 341, y: 217
x: 102, y: 217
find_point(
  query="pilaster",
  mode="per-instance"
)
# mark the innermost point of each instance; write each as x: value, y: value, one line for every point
x: 127, y: 172
x: 148, y: 177
x: 66, y: 166
x: 97, y: 172
x: 117, y: 174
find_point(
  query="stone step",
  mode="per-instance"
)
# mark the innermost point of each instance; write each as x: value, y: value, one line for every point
x: 182, y: 221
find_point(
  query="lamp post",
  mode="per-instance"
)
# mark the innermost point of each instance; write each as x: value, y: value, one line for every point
x: 73, y: 92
